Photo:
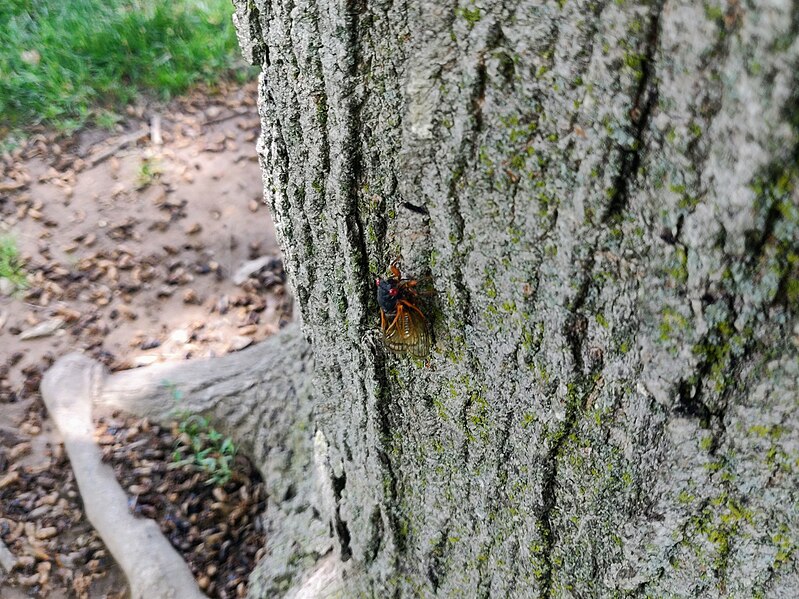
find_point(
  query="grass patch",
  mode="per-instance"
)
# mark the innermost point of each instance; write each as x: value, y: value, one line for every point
x: 10, y: 267
x: 64, y: 63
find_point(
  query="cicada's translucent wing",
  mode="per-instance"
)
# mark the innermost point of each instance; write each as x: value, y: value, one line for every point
x: 407, y: 332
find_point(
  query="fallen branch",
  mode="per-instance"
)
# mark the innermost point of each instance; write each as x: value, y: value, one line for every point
x: 226, y: 117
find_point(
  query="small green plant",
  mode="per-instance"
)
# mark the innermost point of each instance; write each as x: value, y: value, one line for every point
x: 10, y: 267
x: 201, y: 445
x: 149, y: 171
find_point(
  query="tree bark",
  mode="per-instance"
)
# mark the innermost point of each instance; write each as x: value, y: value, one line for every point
x: 603, y: 196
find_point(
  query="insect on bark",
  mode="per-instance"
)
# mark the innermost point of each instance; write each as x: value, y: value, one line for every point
x: 405, y: 328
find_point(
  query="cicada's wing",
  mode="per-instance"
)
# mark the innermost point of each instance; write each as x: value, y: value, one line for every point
x: 408, y: 333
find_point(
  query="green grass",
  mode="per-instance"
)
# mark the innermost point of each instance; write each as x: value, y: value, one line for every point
x: 65, y: 62
x: 10, y: 267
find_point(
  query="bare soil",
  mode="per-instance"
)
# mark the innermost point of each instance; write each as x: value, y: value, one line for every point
x: 130, y: 240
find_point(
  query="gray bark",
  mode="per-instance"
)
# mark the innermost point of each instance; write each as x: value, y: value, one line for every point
x: 604, y: 197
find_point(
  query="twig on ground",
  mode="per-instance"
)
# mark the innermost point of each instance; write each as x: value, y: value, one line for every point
x: 120, y: 143
x: 155, y: 130
x: 227, y: 117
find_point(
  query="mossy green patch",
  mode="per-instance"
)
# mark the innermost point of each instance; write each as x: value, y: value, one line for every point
x: 472, y: 15
x: 672, y: 324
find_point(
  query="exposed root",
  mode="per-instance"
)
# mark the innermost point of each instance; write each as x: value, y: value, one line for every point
x: 262, y: 398
x: 153, y: 568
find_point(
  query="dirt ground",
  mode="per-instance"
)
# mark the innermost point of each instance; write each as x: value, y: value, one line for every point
x: 131, y: 241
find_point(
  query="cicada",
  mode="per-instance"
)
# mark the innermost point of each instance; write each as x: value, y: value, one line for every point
x: 405, y: 328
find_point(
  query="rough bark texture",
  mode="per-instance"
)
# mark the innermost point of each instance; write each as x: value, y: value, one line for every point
x: 604, y: 196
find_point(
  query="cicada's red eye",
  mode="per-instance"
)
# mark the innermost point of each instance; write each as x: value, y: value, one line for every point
x: 377, y: 282
x: 393, y: 292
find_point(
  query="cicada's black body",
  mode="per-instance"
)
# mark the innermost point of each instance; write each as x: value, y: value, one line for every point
x: 405, y: 328
x: 387, y: 295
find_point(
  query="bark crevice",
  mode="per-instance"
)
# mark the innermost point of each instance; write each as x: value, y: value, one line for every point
x: 343, y: 533
x: 575, y: 401
x: 643, y: 102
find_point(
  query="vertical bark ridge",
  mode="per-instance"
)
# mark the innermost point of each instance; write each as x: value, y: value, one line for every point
x: 385, y: 442
x: 357, y: 252
x: 549, y: 488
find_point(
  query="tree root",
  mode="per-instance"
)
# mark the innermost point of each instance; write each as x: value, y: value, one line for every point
x: 153, y: 568
x: 260, y: 397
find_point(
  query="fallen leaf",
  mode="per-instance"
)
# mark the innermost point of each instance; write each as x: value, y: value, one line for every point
x: 43, y: 329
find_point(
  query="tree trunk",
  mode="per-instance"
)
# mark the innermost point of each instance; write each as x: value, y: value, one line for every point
x: 603, y: 197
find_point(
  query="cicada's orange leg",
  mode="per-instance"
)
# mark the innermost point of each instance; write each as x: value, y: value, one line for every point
x: 395, y: 271
x: 393, y: 324
x: 408, y: 284
x: 411, y: 306
x: 382, y: 320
